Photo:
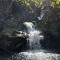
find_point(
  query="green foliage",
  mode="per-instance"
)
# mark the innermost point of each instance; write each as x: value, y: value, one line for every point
x: 55, y: 3
x: 39, y: 3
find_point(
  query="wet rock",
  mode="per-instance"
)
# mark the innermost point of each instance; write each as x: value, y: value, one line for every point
x: 11, y: 44
x: 50, y: 25
x: 51, y: 42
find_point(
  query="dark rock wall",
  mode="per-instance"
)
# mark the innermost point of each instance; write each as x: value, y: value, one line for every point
x: 5, y: 11
x: 51, y: 29
x: 9, y: 23
x: 12, y: 44
x: 12, y: 15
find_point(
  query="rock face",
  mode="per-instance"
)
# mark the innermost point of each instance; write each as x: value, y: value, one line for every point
x: 5, y: 11
x: 5, y: 8
x: 11, y: 21
x: 50, y: 25
x: 12, y: 16
x: 10, y: 44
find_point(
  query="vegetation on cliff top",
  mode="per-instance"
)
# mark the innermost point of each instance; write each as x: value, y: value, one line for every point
x: 39, y: 3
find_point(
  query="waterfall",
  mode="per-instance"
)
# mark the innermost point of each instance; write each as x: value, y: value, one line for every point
x: 34, y: 35
x: 41, y: 15
x: 44, y: 8
x: 34, y: 42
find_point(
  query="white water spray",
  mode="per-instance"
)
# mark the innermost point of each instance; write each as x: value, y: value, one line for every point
x: 34, y: 42
x: 44, y: 8
x: 34, y: 36
x: 41, y: 15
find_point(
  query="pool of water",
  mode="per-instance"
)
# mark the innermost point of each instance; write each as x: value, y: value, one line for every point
x: 32, y: 55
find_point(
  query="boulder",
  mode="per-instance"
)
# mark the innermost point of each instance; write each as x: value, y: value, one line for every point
x: 13, y: 44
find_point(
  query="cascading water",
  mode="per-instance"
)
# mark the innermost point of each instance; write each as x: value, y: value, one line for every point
x: 34, y: 35
x: 41, y: 15
x: 44, y: 8
x: 34, y: 43
x: 35, y: 51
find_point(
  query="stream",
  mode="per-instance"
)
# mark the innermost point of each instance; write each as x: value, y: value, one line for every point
x: 35, y: 51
